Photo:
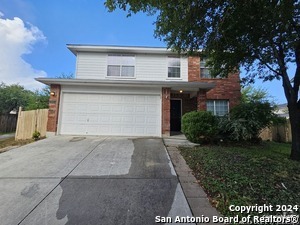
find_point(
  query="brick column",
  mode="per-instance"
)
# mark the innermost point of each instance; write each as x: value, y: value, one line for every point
x: 193, y: 68
x: 201, y: 100
x: 166, y: 105
x: 53, y: 108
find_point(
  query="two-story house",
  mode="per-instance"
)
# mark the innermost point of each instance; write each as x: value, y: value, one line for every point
x: 134, y: 91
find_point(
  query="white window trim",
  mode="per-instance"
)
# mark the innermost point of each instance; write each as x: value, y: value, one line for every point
x: 214, y: 101
x: 120, y: 77
x: 207, y: 67
x: 204, y: 67
x: 180, y: 67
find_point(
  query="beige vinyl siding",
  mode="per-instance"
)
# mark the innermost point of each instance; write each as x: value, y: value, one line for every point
x: 147, y: 67
x: 184, y: 68
x: 91, y: 65
x: 155, y: 67
x: 151, y: 67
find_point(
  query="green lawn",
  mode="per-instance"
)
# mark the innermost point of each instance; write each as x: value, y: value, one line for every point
x: 245, y: 176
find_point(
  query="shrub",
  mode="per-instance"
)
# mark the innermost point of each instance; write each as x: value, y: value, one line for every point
x: 246, y: 120
x: 199, y: 126
x: 234, y: 129
x: 36, y: 135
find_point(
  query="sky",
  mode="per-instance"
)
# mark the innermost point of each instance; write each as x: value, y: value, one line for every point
x: 34, y: 35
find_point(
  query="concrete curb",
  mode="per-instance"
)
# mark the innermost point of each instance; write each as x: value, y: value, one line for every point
x: 2, y: 150
x: 195, y: 195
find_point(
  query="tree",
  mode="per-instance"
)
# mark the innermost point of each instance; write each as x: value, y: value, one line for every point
x: 251, y: 94
x: 12, y: 97
x: 263, y: 36
x: 65, y: 76
x: 39, y: 99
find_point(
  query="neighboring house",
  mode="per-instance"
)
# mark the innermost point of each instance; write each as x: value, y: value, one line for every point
x: 134, y: 91
x: 282, y: 110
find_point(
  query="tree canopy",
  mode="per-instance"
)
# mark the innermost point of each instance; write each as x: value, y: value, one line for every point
x: 14, y: 96
x: 263, y: 36
x: 251, y: 94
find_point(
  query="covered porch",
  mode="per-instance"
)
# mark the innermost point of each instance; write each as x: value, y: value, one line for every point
x: 176, y: 101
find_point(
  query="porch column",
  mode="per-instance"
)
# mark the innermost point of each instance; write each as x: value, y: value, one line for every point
x: 201, y: 100
x: 53, y: 109
x: 166, y: 105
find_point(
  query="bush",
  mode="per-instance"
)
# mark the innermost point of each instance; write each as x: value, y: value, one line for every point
x: 36, y: 135
x: 199, y: 126
x: 246, y: 120
x: 234, y: 129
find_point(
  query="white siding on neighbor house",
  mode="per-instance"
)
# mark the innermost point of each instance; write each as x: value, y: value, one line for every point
x: 147, y: 67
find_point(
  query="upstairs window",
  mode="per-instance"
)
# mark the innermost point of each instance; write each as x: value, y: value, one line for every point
x: 120, y: 65
x: 218, y: 107
x: 204, y: 70
x: 173, y: 67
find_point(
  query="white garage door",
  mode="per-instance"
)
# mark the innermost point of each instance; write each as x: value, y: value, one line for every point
x: 110, y: 114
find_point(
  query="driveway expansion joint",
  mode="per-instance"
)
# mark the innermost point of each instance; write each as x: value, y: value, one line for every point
x: 30, y: 178
x: 121, y: 178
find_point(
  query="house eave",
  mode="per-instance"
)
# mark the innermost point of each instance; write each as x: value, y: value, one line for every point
x: 75, y: 48
x: 174, y: 85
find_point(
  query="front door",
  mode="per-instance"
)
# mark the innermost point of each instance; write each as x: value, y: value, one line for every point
x: 175, y: 115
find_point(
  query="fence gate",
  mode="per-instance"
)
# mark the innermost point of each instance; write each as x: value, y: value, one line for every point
x: 30, y: 121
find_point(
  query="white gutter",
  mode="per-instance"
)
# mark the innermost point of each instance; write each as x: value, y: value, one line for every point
x: 129, y: 83
x: 74, y: 48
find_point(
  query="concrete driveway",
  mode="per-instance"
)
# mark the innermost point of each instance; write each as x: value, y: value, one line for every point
x: 92, y: 180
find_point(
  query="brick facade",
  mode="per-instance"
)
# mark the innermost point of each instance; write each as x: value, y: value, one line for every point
x: 53, y: 108
x: 226, y: 88
x: 201, y: 100
x: 188, y: 104
x: 166, y: 105
x: 193, y: 68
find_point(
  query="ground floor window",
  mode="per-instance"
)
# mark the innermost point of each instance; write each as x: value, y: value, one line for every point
x: 218, y: 107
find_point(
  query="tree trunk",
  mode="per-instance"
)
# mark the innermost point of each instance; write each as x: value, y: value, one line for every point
x: 291, y: 94
x: 294, y: 113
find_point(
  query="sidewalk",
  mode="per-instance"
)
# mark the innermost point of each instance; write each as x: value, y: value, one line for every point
x: 6, y: 136
x: 196, y: 197
x: 178, y: 140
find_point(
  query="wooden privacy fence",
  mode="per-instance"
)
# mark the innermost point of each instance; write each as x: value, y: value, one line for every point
x: 31, y: 121
x: 279, y: 133
x: 8, y: 123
